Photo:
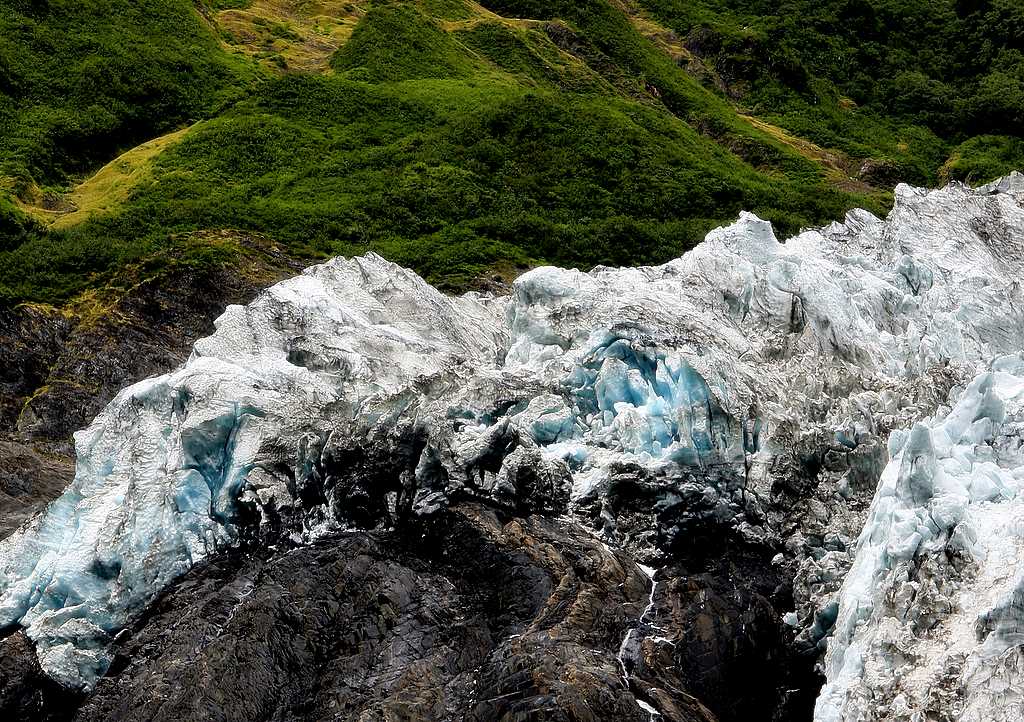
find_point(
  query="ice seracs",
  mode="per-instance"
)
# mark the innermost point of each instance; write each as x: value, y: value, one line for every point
x: 931, y: 613
x: 356, y: 394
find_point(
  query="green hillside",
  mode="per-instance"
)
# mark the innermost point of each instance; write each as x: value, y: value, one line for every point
x: 467, y: 140
x: 933, y: 88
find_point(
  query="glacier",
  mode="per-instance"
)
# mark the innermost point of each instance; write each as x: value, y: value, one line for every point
x: 885, y: 350
x: 930, y: 619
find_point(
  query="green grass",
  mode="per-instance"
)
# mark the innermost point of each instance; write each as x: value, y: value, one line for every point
x: 446, y: 9
x: 82, y: 80
x: 399, y: 42
x: 530, y: 55
x: 444, y: 175
x: 447, y: 140
x: 985, y: 157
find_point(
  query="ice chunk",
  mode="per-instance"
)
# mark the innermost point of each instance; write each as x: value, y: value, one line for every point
x: 938, y: 500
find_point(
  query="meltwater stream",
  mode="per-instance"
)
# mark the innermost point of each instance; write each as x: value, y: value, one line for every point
x: 629, y: 648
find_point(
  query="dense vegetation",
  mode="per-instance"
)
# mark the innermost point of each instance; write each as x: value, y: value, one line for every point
x: 903, y: 80
x: 82, y: 79
x: 462, y: 142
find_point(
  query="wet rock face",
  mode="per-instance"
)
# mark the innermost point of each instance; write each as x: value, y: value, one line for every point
x: 28, y: 479
x: 30, y: 338
x: 467, y: 614
x: 471, y: 617
x: 719, y: 635
x: 714, y: 625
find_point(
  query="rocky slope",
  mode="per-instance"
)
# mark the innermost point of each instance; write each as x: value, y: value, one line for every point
x: 621, y: 494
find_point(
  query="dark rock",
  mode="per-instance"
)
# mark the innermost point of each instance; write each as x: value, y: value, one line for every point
x: 467, y: 617
x: 28, y: 480
x: 26, y: 693
x: 881, y: 173
x: 31, y: 337
x: 716, y: 610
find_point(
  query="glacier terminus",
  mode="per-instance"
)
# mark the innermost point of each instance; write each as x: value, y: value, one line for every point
x: 878, y: 360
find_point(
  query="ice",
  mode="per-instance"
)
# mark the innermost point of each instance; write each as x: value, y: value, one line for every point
x: 160, y: 471
x: 651, y: 403
x: 705, y: 369
x: 940, y: 497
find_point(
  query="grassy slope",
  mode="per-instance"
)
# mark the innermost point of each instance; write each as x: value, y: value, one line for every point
x: 81, y: 80
x: 451, y: 137
x: 299, y: 35
x: 108, y: 189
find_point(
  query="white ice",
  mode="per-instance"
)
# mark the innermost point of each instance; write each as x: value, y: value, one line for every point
x: 908, y: 615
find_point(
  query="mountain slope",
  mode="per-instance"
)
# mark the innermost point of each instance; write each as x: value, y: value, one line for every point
x: 461, y: 139
x: 903, y: 83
